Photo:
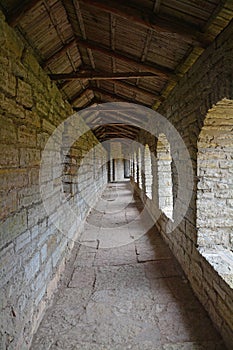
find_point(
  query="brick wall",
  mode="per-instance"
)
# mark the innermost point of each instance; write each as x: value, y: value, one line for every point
x: 207, y: 83
x: 32, y: 250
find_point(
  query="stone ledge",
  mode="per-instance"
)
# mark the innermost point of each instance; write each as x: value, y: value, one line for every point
x: 221, y: 259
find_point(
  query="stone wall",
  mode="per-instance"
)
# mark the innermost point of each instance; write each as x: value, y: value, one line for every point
x: 215, y: 178
x: 33, y: 251
x: 206, y: 84
x: 165, y: 196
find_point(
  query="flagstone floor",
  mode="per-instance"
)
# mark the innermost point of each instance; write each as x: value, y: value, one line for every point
x: 124, y: 288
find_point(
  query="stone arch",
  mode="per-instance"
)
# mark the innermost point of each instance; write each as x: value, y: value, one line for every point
x: 215, y: 189
x: 165, y: 192
x: 135, y: 167
x: 215, y: 174
x: 139, y: 167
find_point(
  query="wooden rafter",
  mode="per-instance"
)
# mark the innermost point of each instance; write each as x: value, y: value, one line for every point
x: 146, y: 48
x: 115, y: 97
x: 82, y: 74
x: 109, y: 136
x: 79, y: 96
x: 147, y: 45
x: 59, y: 52
x: 112, y: 42
x: 138, y: 90
x: 122, y: 127
x: 156, y: 6
x: 150, y: 20
x: 155, y: 68
x: 76, y: 21
x: 116, y: 130
x: 82, y: 28
x: 118, y: 117
x: 88, y: 104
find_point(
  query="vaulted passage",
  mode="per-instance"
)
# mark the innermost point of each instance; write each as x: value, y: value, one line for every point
x: 116, y: 164
x: 130, y: 297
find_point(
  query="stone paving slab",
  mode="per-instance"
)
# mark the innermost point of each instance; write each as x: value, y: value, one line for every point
x: 116, y: 256
x: 133, y: 296
x: 83, y: 277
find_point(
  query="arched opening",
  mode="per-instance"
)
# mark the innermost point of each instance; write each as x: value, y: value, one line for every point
x: 165, y: 192
x: 148, y: 172
x: 135, y: 167
x: 139, y: 168
x: 215, y: 188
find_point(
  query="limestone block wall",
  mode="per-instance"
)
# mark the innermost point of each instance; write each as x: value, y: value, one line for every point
x: 206, y: 84
x: 33, y: 251
x: 215, y: 178
x: 165, y: 196
x: 148, y: 177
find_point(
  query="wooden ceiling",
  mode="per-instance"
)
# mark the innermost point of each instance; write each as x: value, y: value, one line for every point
x: 117, y: 51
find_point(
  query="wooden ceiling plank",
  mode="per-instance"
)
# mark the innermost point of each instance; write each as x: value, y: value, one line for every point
x: 112, y: 30
x: 59, y: 53
x: 150, y: 20
x: 88, y: 104
x: 53, y: 20
x: 79, y: 96
x: 215, y: 14
x: 17, y: 13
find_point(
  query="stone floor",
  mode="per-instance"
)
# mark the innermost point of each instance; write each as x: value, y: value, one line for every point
x: 124, y: 291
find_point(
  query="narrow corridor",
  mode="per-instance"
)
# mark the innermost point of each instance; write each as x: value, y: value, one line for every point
x: 118, y: 294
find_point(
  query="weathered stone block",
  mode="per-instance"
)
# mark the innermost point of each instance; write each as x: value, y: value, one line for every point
x: 7, y: 83
x: 8, y: 203
x: 36, y: 214
x: 12, y: 227
x: 22, y: 240
x: 9, y: 156
x: 29, y: 157
x: 29, y: 196
x: 7, y: 131
x: 13, y: 178
x: 32, y: 267
x: 26, y: 136
x: 24, y: 94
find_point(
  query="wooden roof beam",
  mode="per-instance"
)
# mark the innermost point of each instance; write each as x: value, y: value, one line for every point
x: 154, y: 68
x: 101, y: 76
x: 150, y: 20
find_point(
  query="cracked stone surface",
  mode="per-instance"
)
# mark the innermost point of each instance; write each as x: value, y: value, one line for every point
x: 134, y: 296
